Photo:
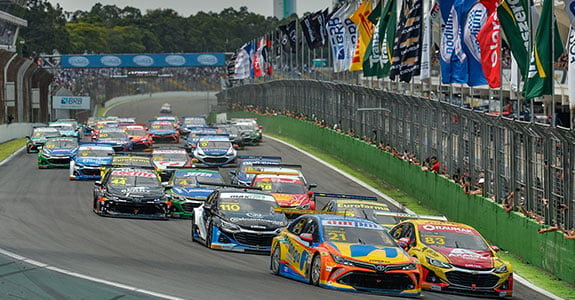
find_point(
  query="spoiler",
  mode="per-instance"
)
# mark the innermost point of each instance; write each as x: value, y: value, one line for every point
x: 401, y: 215
x: 212, y: 134
x: 344, y: 196
x: 243, y: 187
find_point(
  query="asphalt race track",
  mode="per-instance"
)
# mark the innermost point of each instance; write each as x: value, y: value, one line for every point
x: 47, y: 218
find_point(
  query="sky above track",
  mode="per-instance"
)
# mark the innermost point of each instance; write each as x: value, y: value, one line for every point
x: 189, y: 7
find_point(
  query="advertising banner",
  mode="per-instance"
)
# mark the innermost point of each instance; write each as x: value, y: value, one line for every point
x: 143, y: 60
x: 71, y: 102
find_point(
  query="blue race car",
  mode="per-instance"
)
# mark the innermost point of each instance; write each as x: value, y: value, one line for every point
x: 214, y: 151
x: 189, y: 191
x: 65, y: 128
x: 90, y: 158
x: 117, y: 137
x: 57, y: 152
x: 191, y: 123
x: 240, y: 176
x: 195, y: 135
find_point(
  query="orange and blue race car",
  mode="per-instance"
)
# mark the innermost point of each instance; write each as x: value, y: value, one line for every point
x: 455, y: 258
x: 343, y: 253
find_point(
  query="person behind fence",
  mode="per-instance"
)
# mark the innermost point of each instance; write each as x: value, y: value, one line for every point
x: 509, y: 201
x: 432, y: 166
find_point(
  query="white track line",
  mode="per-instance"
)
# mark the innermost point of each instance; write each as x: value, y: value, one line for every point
x: 516, y: 276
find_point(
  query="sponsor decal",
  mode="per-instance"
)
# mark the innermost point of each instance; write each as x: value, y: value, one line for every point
x: 436, y: 227
x: 143, y: 60
x: 133, y: 173
x: 175, y: 60
x: 110, y: 61
x: 364, y: 206
x: 78, y: 61
x: 467, y: 254
x: 207, y: 59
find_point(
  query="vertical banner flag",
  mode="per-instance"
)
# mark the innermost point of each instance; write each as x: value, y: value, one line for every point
x: 364, y: 32
x: 308, y: 30
x: 242, y: 68
x: 342, y: 34
x: 372, y: 62
x: 426, y: 48
x: 452, y: 57
x: 377, y: 60
x: 406, y: 61
x: 490, y: 43
x: 540, y: 79
x: 514, y: 18
x: 570, y: 11
x: 258, y: 58
x: 285, y: 39
x: 319, y: 20
x: 476, y: 17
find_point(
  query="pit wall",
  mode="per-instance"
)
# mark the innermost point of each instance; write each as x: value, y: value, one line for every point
x: 510, y: 231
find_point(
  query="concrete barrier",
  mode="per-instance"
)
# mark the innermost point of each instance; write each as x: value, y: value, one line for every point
x: 16, y: 130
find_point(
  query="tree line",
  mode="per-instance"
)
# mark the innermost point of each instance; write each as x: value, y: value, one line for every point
x: 111, y: 29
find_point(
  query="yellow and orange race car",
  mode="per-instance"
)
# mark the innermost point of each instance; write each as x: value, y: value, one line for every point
x: 344, y: 253
x: 455, y: 258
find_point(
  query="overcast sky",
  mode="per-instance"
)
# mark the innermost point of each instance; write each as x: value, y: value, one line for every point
x: 188, y: 7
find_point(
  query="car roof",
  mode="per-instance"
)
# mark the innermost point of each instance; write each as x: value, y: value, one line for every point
x: 96, y: 147
x: 359, y: 202
x: 215, y: 138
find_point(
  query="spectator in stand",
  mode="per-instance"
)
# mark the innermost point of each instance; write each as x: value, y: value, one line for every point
x: 434, y: 165
x: 509, y: 201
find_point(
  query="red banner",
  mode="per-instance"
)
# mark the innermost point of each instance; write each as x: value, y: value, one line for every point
x: 490, y: 43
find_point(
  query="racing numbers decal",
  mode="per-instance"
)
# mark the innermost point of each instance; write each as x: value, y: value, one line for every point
x: 103, y: 135
x: 435, y: 240
x: 119, y: 180
x: 158, y: 157
x: 335, y: 235
x: 50, y: 146
x: 156, y: 126
x: 265, y: 186
x: 204, y: 144
x: 38, y: 134
x: 349, y: 213
x: 229, y: 206
x: 84, y: 153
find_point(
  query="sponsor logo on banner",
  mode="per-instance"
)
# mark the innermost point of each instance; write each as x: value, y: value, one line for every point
x: 71, y: 102
x: 78, y: 61
x: 475, y: 20
x: 110, y: 61
x: 206, y: 59
x: 143, y: 60
x: 175, y: 60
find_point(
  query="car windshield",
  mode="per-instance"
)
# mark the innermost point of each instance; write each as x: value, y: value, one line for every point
x: 263, y: 207
x: 120, y: 179
x: 215, y: 144
x: 133, y: 161
x: 109, y: 135
x: 162, y: 126
x: 61, y: 144
x: 358, y: 235
x: 245, y: 167
x: 246, y: 127
x: 453, y: 240
x: 171, y: 156
x: 64, y: 127
x: 195, y: 122
x: 136, y: 132
x: 370, y: 214
x: 46, y: 133
x: 191, y: 181
x: 95, y: 152
x: 281, y: 187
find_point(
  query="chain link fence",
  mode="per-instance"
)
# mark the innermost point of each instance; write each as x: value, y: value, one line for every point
x: 533, y: 161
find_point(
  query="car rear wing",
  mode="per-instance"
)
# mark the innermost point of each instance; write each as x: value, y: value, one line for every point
x: 243, y: 187
x: 405, y: 216
x: 344, y: 196
x: 95, y: 144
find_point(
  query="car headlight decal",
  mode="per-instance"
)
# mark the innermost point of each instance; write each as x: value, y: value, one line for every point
x: 438, y: 263
x: 229, y: 226
x: 501, y: 269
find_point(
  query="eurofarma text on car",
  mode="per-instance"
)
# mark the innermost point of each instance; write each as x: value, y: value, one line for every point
x: 455, y: 258
x: 86, y: 164
x: 190, y: 188
x: 237, y: 220
x: 131, y: 192
x: 344, y: 253
x: 57, y: 152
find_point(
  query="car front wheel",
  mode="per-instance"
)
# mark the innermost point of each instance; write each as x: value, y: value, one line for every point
x: 315, y: 270
x: 275, y: 260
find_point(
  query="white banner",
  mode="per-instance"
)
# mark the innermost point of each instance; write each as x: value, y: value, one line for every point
x: 571, y: 70
x: 342, y: 34
x: 426, y: 49
x: 71, y: 102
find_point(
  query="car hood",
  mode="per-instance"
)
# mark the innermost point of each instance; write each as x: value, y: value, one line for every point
x: 290, y: 199
x: 255, y: 221
x: 58, y: 152
x: 215, y: 151
x: 471, y: 259
x: 163, y: 131
x: 202, y: 193
x: 143, y: 192
x: 93, y: 161
x: 370, y: 253
x: 114, y: 141
x: 169, y: 164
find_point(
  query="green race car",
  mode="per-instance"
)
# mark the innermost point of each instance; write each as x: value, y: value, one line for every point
x: 57, y: 152
x: 188, y: 192
x: 38, y: 138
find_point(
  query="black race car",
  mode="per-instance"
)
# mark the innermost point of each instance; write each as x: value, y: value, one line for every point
x: 131, y: 192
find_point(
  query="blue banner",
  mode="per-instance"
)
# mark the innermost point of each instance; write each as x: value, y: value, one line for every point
x: 452, y: 57
x: 143, y: 60
x: 475, y: 20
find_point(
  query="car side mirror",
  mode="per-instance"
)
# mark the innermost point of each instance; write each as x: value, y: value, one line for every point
x: 28, y: 137
x: 98, y: 183
x: 495, y: 248
x: 233, y: 172
x: 306, y: 237
x: 207, y: 207
x: 404, y: 243
x: 312, y: 185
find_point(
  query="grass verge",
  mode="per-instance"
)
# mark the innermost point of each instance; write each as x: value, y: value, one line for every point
x: 532, y: 273
x: 9, y: 147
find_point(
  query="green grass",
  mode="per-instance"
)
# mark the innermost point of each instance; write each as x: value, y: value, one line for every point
x: 532, y: 273
x: 9, y: 147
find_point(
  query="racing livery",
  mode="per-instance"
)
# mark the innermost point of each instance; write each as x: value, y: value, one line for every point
x: 237, y: 220
x: 455, y: 258
x: 139, y: 135
x: 166, y: 108
x: 189, y: 189
x: 65, y: 128
x: 191, y: 123
x: 250, y: 131
x: 214, y: 151
x: 116, y: 137
x: 39, y: 137
x: 168, y: 159
x: 195, y: 134
x: 90, y: 158
x: 240, y: 175
x: 57, y: 152
x: 289, y: 189
x: 131, y: 192
x: 164, y: 131
x: 344, y: 253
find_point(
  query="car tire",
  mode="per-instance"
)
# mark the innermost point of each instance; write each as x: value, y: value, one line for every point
x: 275, y: 260
x: 209, y: 236
x: 194, y: 228
x: 315, y: 270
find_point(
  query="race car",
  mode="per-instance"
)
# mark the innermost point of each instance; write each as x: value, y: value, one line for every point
x: 166, y: 108
x: 250, y: 131
x: 247, y: 164
x: 107, y: 123
x: 131, y: 192
x: 190, y: 123
x: 139, y: 135
x: 65, y: 128
x: 116, y: 137
x: 455, y: 258
x: 57, y: 152
x: 129, y: 160
x: 214, y: 151
x: 164, y: 131
x: 288, y: 186
x: 39, y: 137
x: 90, y: 158
x: 166, y: 160
x: 237, y: 220
x: 360, y: 207
x: 90, y: 124
x: 345, y: 253
x: 195, y: 134
x: 189, y: 189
